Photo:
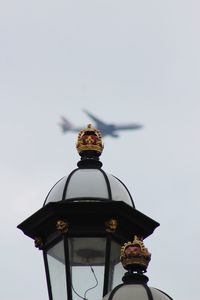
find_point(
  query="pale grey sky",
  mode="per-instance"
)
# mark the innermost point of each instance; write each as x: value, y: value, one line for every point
x: 125, y: 61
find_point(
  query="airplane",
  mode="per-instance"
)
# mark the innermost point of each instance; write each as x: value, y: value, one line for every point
x: 105, y: 128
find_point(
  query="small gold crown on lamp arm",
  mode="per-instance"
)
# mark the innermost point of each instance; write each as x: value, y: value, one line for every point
x: 134, y: 256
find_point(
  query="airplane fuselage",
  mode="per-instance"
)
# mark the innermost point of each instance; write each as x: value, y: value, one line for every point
x: 105, y: 128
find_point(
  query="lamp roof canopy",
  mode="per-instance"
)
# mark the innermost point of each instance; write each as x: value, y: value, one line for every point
x: 136, y: 291
x: 91, y: 184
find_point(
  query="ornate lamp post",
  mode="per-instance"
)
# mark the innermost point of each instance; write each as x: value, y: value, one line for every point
x: 85, y: 219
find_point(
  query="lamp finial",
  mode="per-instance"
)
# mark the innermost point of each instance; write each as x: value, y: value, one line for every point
x: 89, y: 145
x: 134, y: 256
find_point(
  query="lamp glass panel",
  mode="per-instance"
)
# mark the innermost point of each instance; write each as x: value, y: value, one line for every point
x: 90, y: 182
x: 116, y: 271
x: 119, y: 191
x: 56, y: 264
x: 87, y: 260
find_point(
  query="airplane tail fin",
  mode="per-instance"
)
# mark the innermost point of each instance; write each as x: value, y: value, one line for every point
x: 65, y: 125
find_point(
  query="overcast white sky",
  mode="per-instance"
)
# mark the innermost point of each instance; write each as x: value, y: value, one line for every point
x: 125, y: 61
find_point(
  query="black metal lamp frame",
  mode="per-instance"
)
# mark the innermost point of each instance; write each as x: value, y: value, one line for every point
x: 85, y: 219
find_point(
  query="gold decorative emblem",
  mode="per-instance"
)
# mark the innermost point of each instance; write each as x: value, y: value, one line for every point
x: 62, y: 226
x: 38, y: 242
x: 111, y: 225
x: 134, y: 255
x: 89, y: 139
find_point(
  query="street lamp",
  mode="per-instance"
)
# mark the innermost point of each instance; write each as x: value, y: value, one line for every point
x: 85, y: 219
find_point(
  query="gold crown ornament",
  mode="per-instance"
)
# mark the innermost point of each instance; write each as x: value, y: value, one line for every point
x: 89, y: 139
x: 134, y: 256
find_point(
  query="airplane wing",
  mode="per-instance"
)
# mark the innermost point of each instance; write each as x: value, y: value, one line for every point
x: 98, y: 122
x: 68, y: 126
x: 128, y: 126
